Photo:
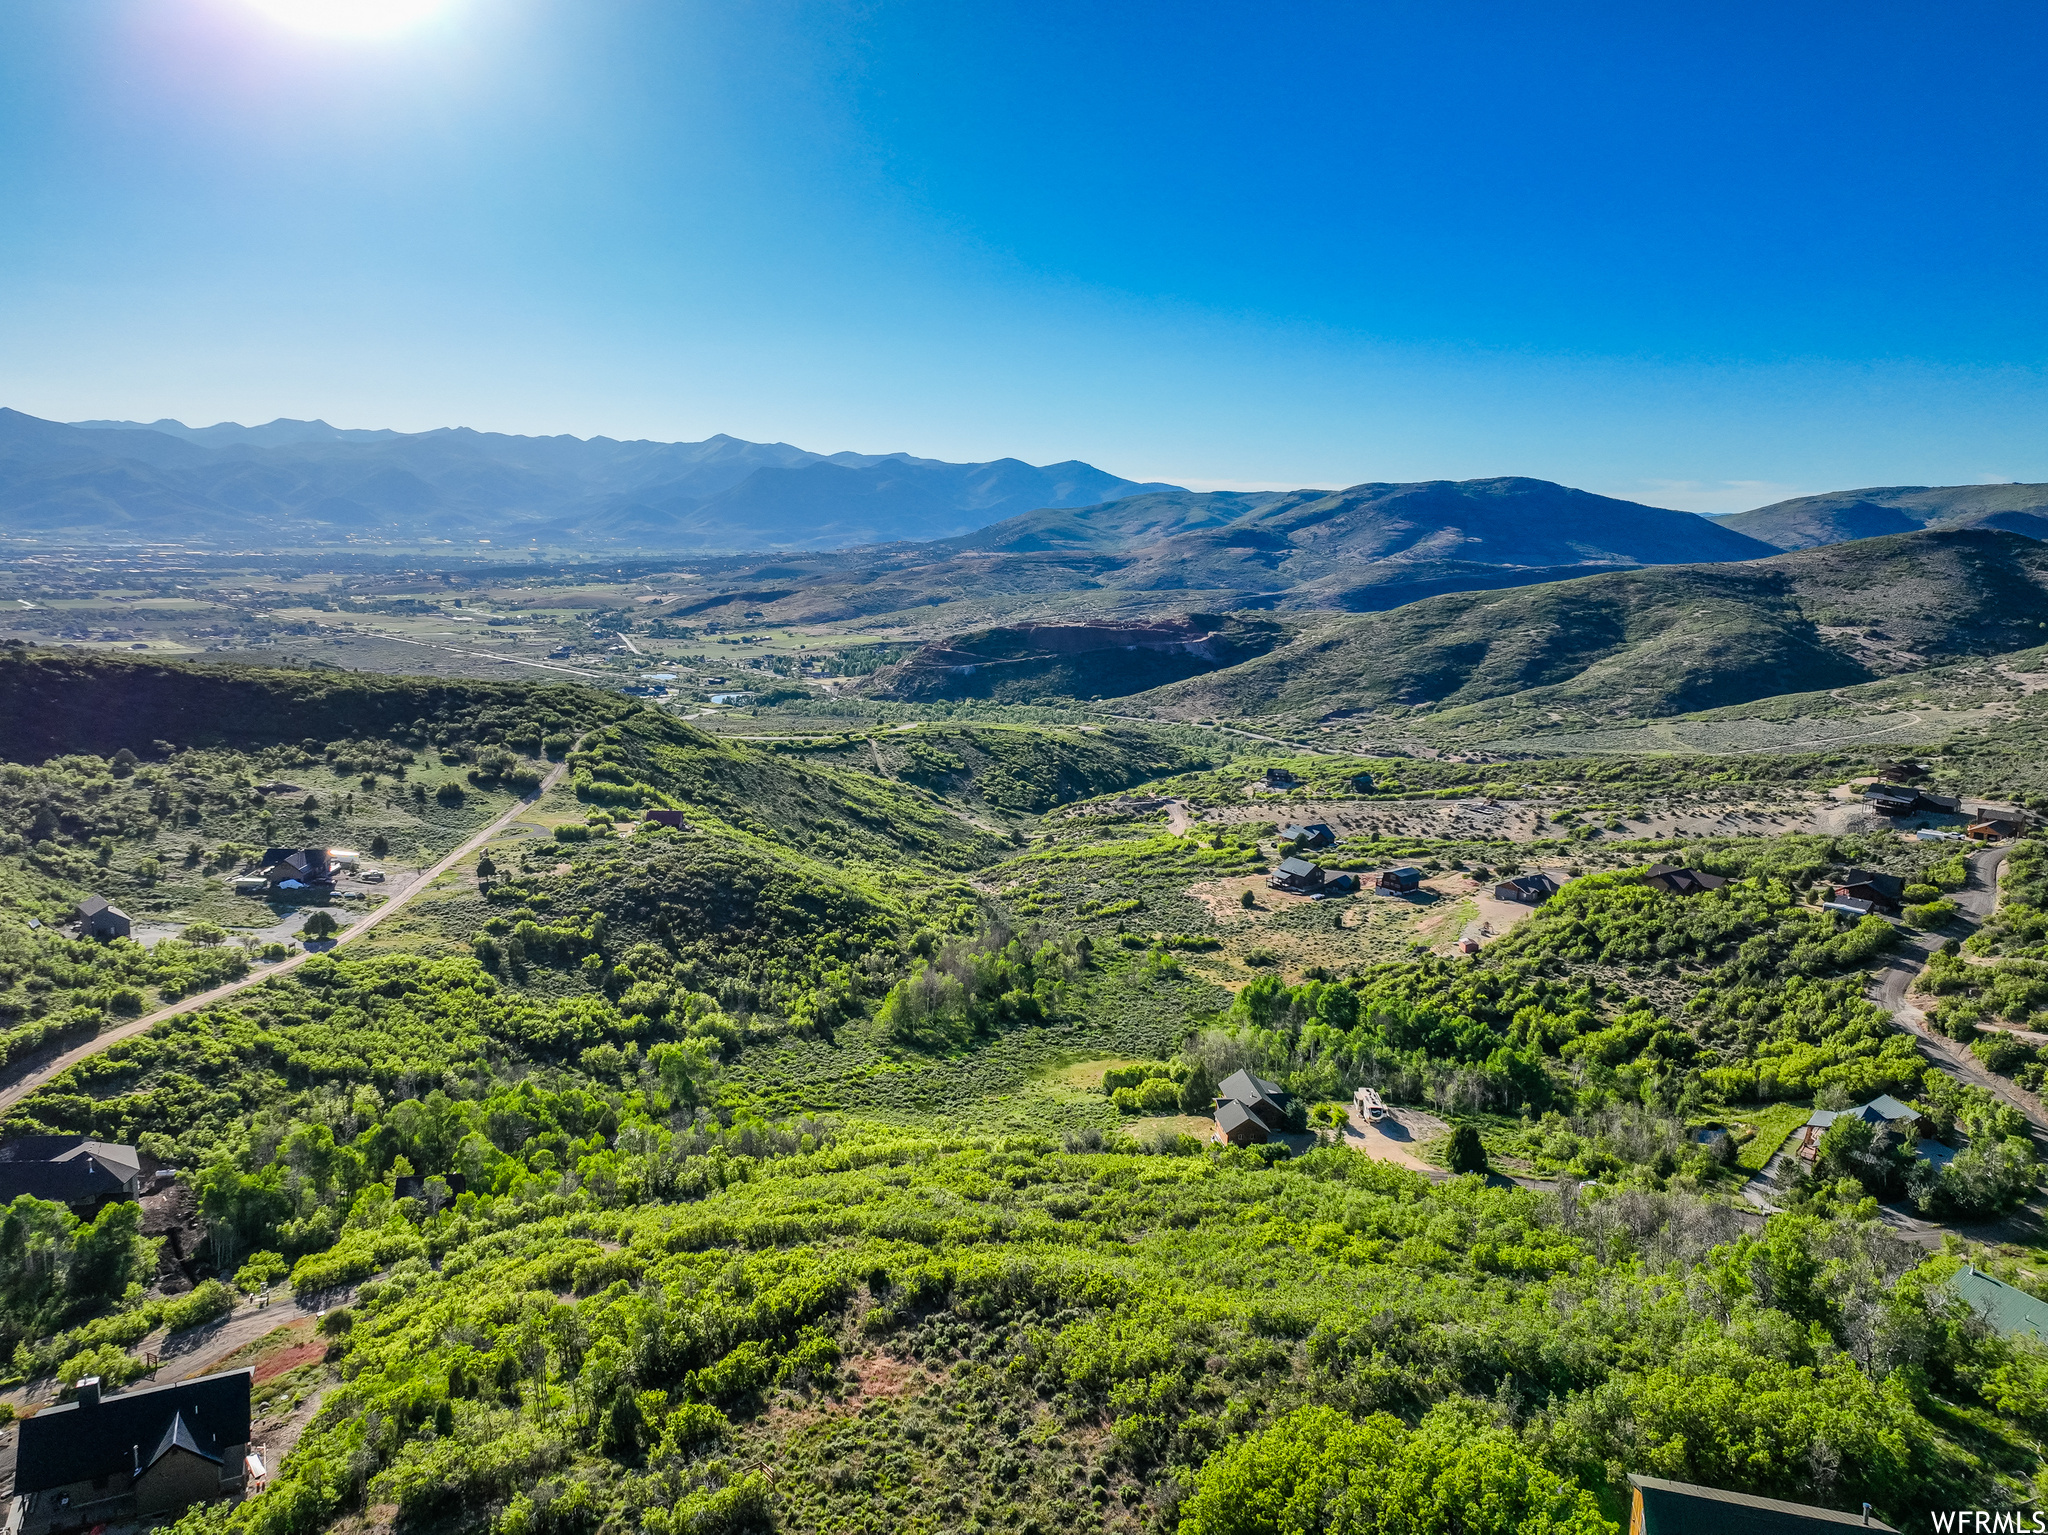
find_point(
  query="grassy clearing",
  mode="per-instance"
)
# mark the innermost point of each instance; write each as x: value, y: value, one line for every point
x: 1773, y: 1123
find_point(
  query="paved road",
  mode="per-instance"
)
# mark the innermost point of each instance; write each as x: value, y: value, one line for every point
x: 13, y: 1092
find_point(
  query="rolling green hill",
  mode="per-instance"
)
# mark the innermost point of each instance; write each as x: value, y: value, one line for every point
x: 1640, y: 644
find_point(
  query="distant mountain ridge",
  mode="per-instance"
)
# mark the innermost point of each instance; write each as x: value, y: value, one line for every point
x: 306, y: 482
x: 1807, y: 522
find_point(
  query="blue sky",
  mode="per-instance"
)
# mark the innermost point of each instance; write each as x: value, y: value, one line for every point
x: 1699, y: 256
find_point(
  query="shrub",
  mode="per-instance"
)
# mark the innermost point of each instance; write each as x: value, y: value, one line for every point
x: 572, y: 833
x: 451, y: 793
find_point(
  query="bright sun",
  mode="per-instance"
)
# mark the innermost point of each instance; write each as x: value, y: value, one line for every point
x: 349, y: 18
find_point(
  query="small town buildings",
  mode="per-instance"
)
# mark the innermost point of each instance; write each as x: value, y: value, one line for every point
x: 1276, y: 778
x: 1249, y: 1109
x: 1401, y: 881
x: 673, y: 818
x: 1902, y: 772
x: 70, y: 1170
x: 99, y: 919
x: 1995, y: 828
x: 133, y: 1455
x: 1315, y: 834
x: 1658, y: 1507
x: 1676, y: 881
x: 1849, y: 906
x: 1529, y: 889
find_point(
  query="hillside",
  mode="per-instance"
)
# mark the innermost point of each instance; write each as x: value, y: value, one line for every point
x: 1072, y: 660
x: 306, y: 483
x: 1642, y: 644
x: 840, y: 1135
x: 1808, y: 521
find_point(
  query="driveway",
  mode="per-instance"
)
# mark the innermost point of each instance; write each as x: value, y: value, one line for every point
x: 39, y: 1076
x: 1977, y: 900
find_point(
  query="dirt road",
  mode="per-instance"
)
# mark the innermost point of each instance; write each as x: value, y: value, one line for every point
x: 1977, y: 899
x: 14, y: 1091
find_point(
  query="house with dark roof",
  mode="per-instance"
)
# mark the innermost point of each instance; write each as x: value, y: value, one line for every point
x: 297, y: 868
x: 1658, y: 1507
x: 1401, y: 881
x: 1315, y: 834
x: 1298, y: 876
x: 1276, y: 778
x: 132, y: 1455
x: 1249, y: 1109
x: 1996, y: 828
x: 1879, y: 889
x: 1237, y: 1125
x: 673, y: 818
x: 1677, y: 881
x: 1362, y: 782
x: 1902, y: 772
x: 98, y: 918
x: 1529, y: 889
x: 70, y: 1170
x: 1904, y: 800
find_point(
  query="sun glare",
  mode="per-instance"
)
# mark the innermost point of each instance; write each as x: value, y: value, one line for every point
x: 349, y: 18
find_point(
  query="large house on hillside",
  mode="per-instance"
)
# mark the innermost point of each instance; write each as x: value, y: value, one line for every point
x: 1529, y: 889
x: 132, y: 1456
x: 1249, y: 1109
x: 1298, y: 876
x: 1861, y: 891
x: 71, y: 1170
x: 1676, y: 881
x: 298, y: 868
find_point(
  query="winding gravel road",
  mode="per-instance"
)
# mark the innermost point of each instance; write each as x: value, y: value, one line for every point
x: 1978, y: 899
x: 13, y: 1091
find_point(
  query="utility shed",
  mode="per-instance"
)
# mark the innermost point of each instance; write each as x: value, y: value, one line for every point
x: 1658, y: 1507
x: 135, y: 1454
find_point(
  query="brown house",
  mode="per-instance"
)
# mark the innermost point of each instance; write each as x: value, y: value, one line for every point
x: 666, y: 818
x: 134, y: 1455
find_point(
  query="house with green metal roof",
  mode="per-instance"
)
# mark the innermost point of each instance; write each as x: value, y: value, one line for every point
x: 2006, y: 1309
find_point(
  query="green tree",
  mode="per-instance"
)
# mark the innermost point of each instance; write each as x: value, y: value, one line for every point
x: 1467, y: 1153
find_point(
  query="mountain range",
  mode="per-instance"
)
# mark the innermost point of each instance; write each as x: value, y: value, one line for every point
x: 297, y: 483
